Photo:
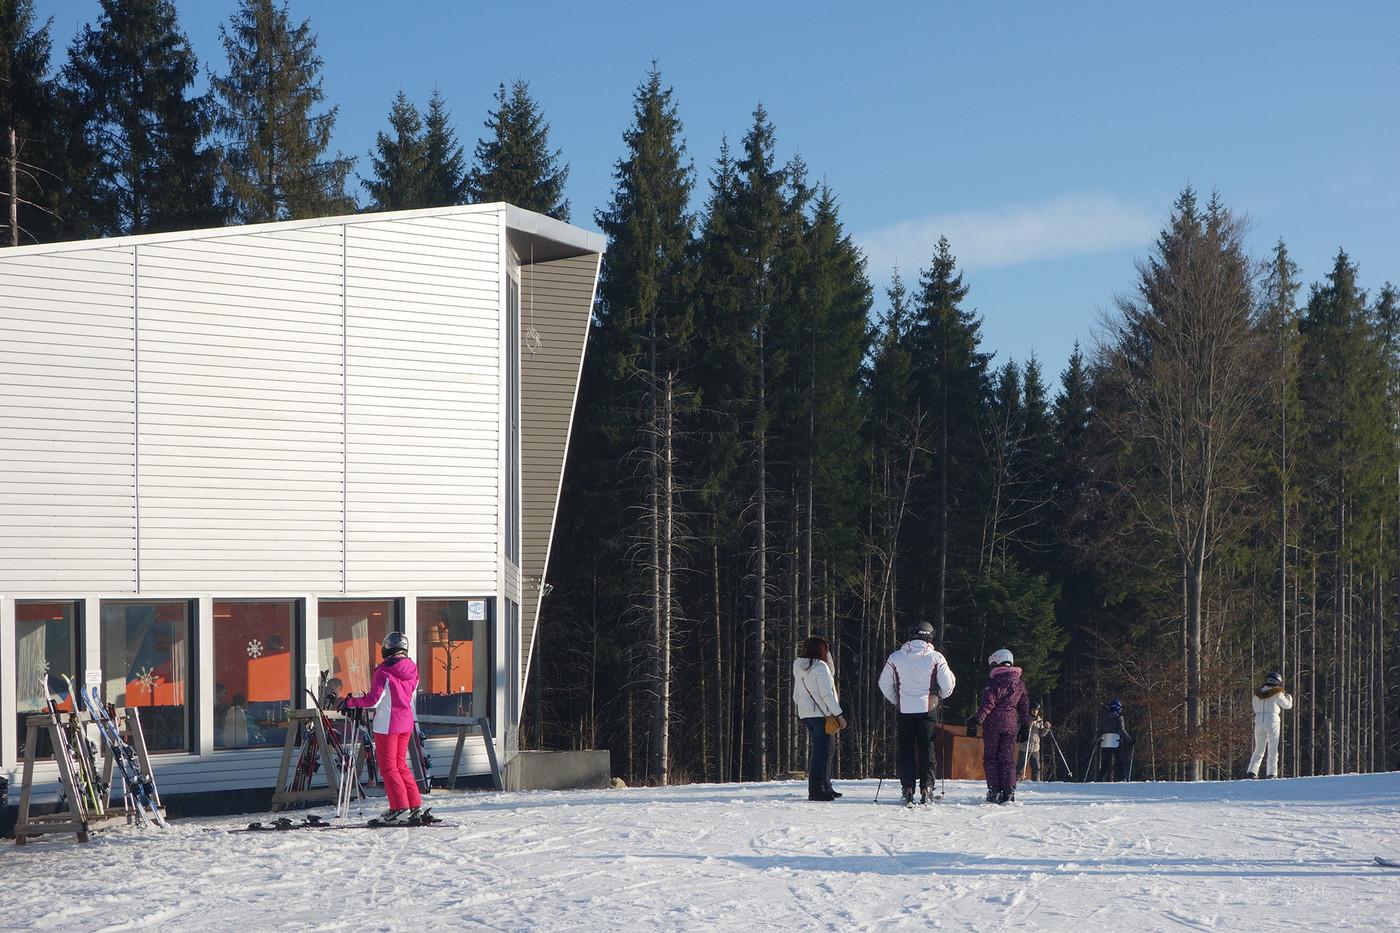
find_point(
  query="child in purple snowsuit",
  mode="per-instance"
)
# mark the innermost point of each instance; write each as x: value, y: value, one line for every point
x: 1005, y: 707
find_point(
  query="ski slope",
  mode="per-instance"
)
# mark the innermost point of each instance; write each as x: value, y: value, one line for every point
x: 1259, y: 855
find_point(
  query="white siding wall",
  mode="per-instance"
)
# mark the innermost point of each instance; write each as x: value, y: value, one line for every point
x: 276, y: 411
x: 424, y: 402
x: 67, y: 422
x: 242, y: 413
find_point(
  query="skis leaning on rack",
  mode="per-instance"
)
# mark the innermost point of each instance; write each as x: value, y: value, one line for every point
x: 345, y: 749
x: 63, y: 747
x: 84, y: 752
x: 139, y: 792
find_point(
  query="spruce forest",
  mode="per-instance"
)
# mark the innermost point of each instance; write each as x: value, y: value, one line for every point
x: 765, y: 449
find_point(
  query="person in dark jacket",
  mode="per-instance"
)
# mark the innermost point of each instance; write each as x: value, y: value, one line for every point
x: 1114, y: 742
x: 1005, y: 707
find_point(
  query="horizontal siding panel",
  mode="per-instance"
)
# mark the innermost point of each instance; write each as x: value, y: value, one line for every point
x: 242, y: 410
x: 67, y: 410
x: 423, y: 404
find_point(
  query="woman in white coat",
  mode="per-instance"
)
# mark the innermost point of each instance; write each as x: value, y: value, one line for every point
x: 814, y: 692
x: 1270, y: 700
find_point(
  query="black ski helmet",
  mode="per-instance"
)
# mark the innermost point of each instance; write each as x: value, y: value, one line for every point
x: 394, y: 643
x: 1273, y: 679
x: 921, y: 631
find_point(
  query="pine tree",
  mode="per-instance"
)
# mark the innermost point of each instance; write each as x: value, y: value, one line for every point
x: 1185, y: 364
x: 446, y: 181
x: 638, y: 349
x: 951, y: 384
x: 399, y: 161
x: 29, y: 146
x: 274, y: 165
x: 128, y: 83
x: 513, y: 161
x: 1344, y: 388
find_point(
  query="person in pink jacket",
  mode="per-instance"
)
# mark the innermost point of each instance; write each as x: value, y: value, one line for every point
x: 391, y: 691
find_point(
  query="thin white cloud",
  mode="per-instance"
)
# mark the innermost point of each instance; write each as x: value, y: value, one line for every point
x: 1071, y: 225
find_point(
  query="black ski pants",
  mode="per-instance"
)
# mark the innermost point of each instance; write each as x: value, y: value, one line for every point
x: 915, y: 733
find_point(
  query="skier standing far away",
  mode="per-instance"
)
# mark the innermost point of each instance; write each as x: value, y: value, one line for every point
x: 1038, y: 730
x: 1114, y: 740
x: 1270, y: 700
x: 916, y: 678
x: 391, y: 690
x: 1005, y: 708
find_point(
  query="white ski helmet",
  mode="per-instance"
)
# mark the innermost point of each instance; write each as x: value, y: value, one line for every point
x: 999, y: 657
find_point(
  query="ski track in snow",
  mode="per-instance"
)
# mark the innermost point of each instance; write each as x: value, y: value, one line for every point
x: 1285, y: 854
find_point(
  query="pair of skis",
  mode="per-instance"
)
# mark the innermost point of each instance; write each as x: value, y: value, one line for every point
x: 314, y: 821
x: 139, y: 790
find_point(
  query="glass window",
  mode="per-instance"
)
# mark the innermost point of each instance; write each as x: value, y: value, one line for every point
x: 253, y: 672
x: 453, y: 652
x: 348, y: 635
x: 146, y: 663
x: 46, y: 639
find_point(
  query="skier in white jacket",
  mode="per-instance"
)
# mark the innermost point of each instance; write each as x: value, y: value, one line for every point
x: 814, y: 692
x: 916, y: 679
x: 1270, y: 700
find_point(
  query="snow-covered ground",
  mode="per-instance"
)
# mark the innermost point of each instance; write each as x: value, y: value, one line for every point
x: 1260, y: 855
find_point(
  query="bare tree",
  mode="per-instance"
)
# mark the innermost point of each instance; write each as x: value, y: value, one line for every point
x: 1183, y: 359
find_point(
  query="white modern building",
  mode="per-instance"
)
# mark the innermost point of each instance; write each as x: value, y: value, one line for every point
x: 232, y: 460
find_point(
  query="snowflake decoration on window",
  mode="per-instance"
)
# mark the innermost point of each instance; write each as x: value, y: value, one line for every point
x: 255, y: 649
x: 354, y: 668
x: 149, y: 679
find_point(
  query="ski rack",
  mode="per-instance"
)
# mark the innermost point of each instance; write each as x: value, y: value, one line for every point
x: 464, y: 724
x: 77, y: 819
x: 280, y: 795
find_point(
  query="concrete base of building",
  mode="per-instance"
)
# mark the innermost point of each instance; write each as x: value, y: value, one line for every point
x: 585, y: 770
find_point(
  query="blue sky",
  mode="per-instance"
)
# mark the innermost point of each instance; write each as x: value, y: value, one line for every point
x: 1046, y: 141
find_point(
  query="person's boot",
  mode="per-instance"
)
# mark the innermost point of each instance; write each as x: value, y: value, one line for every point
x: 1250, y: 774
x: 992, y: 794
x: 907, y: 795
x: 1006, y: 795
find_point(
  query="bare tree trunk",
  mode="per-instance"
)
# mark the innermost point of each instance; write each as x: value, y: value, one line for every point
x: 760, y: 647
x: 14, y: 189
x: 721, y: 741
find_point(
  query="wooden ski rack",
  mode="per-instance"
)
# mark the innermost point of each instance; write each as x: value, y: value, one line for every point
x: 79, y: 817
x: 281, y: 796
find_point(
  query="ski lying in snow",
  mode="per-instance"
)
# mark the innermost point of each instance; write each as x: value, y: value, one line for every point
x: 285, y: 824
x: 1387, y: 862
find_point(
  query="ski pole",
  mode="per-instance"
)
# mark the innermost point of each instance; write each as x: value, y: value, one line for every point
x: 1060, y: 751
x: 943, y: 779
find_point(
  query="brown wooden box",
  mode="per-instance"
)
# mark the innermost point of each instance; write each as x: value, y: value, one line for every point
x: 959, y: 757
